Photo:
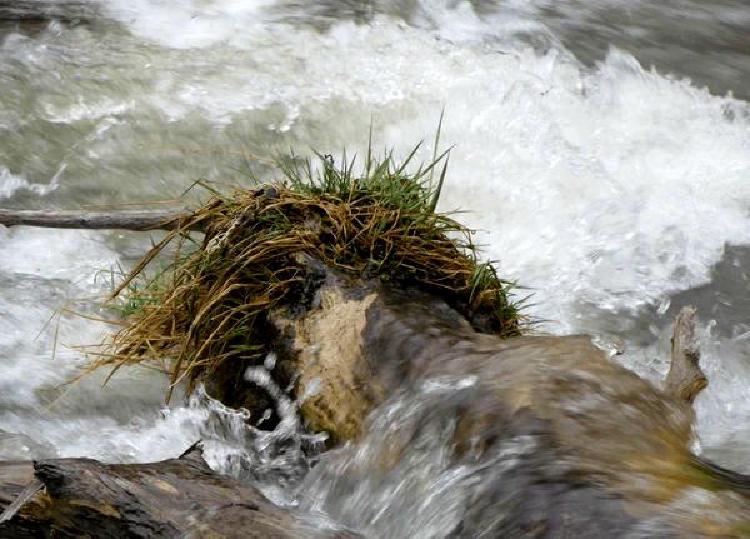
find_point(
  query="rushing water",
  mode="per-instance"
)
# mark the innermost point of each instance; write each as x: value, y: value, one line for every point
x: 615, y: 190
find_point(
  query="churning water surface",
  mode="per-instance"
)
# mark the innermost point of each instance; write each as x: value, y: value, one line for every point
x: 601, y: 150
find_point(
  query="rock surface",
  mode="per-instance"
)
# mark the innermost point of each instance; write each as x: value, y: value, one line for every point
x: 609, y: 451
x: 173, y: 498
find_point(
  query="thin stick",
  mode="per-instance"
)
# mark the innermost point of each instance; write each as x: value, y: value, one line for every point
x: 124, y: 220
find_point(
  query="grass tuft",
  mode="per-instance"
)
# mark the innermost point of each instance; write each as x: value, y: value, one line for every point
x: 209, y: 305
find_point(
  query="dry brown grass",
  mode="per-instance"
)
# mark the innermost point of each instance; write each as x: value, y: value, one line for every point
x: 210, y: 305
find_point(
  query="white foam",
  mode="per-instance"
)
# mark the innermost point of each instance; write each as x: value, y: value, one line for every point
x: 12, y: 183
x: 185, y: 24
x: 612, y: 186
x: 82, y: 110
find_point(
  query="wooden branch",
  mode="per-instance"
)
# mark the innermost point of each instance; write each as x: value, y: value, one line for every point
x: 125, y: 220
x: 685, y: 378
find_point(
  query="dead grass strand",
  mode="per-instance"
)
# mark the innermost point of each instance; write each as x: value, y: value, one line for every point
x: 209, y: 305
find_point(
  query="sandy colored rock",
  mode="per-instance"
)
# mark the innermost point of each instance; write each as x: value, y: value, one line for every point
x: 337, y: 384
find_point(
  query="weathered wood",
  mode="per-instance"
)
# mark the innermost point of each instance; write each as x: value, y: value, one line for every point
x: 174, y: 498
x: 138, y: 220
x: 608, y: 451
x: 685, y: 378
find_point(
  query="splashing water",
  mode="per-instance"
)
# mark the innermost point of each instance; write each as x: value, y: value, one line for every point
x: 611, y: 190
x: 275, y: 461
x: 424, y: 484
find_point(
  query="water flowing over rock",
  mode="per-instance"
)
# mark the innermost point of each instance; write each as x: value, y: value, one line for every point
x: 174, y: 498
x: 535, y: 436
x: 441, y: 431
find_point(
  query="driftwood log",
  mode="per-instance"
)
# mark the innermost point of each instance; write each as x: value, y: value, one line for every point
x: 174, y: 498
x: 123, y: 220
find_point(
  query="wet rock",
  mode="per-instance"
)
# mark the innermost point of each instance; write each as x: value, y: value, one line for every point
x: 173, y: 498
x: 336, y: 384
x: 538, y: 496
x: 624, y: 444
x: 564, y: 442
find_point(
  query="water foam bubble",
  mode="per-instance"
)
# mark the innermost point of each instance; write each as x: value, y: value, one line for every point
x: 12, y: 183
x: 189, y: 23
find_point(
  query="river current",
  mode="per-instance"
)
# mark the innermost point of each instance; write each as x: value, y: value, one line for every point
x: 600, y: 149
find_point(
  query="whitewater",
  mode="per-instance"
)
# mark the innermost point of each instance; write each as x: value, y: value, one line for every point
x: 612, y: 190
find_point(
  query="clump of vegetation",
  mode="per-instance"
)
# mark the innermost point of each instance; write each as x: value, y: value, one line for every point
x: 209, y: 307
